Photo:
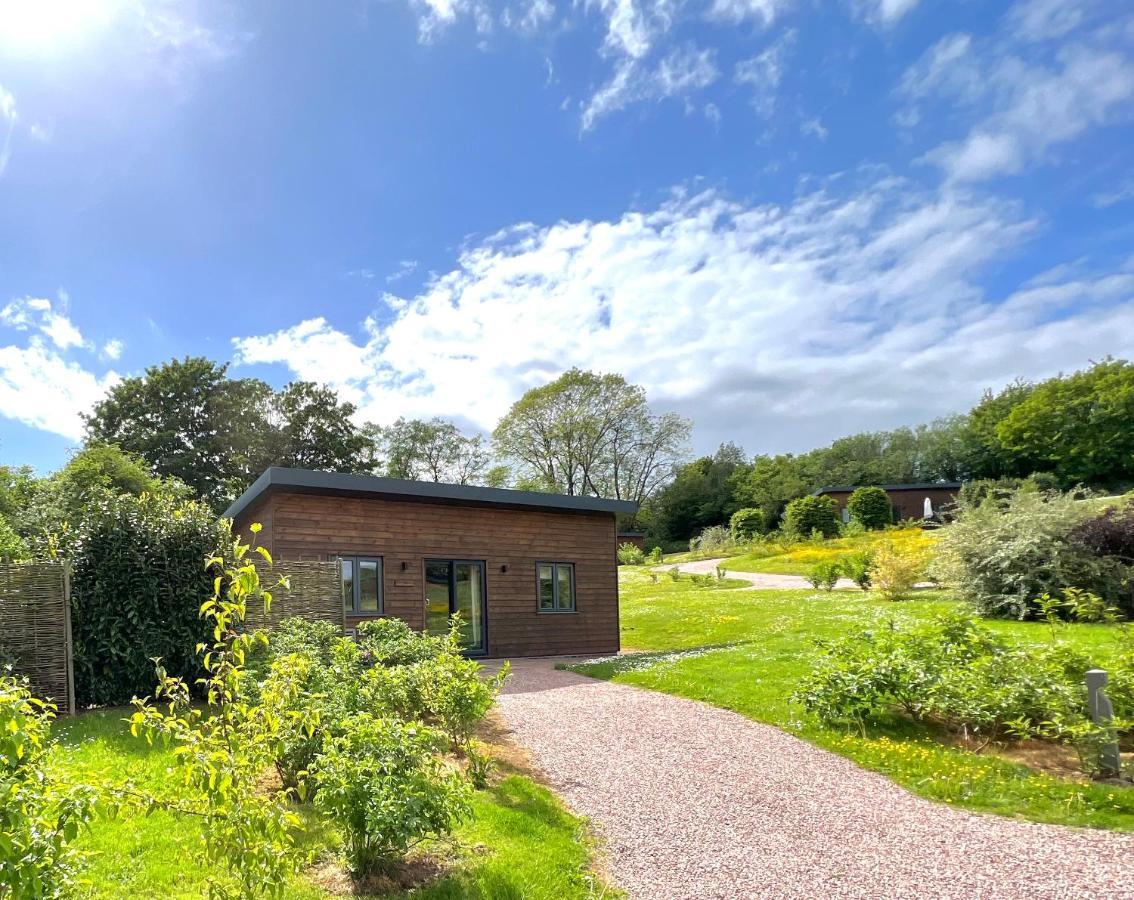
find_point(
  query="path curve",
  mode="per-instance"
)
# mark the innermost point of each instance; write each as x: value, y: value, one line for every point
x: 698, y: 802
x: 763, y: 580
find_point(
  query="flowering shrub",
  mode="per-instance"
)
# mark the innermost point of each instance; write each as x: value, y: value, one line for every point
x: 630, y: 555
x: 895, y: 570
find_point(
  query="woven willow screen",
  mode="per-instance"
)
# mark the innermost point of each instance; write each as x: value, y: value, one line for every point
x: 315, y: 594
x: 35, y: 628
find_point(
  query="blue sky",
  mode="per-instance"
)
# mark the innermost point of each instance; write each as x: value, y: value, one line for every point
x: 787, y: 219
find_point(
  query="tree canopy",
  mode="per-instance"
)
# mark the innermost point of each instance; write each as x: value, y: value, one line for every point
x: 434, y: 450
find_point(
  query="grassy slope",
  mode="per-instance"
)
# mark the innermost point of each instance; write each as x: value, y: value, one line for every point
x: 536, y: 849
x: 798, y: 559
x: 765, y: 644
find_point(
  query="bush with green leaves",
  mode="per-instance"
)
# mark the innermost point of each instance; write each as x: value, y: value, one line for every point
x: 747, y: 523
x: 858, y: 566
x: 250, y: 835
x: 825, y: 575
x: 1003, y: 555
x: 807, y: 515
x: 385, y: 787
x: 895, y: 569
x: 12, y: 546
x: 630, y: 554
x: 654, y: 557
x: 870, y: 507
x: 136, y: 588
x: 40, y: 818
x: 715, y: 537
x: 953, y: 672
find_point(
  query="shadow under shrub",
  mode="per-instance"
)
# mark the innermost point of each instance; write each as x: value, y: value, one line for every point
x: 138, y: 578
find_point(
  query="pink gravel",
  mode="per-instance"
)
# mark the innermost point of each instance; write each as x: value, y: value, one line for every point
x: 693, y: 801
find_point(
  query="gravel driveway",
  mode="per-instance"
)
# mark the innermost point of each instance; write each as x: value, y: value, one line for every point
x: 765, y: 580
x: 698, y: 802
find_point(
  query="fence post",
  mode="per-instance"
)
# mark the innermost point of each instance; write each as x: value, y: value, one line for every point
x: 68, y: 649
x: 1102, y: 714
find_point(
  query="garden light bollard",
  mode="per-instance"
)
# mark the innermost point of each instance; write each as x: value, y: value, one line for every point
x: 1102, y: 714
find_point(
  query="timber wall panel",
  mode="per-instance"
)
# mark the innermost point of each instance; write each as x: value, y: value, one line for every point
x: 310, y: 526
x: 35, y: 628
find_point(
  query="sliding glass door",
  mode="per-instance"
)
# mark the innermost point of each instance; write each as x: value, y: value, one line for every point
x: 456, y: 587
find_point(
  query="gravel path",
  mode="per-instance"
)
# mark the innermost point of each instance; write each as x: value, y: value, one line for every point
x: 764, y: 580
x: 698, y: 802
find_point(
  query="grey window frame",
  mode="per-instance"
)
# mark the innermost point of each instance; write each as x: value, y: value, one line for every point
x: 356, y: 610
x: 557, y: 610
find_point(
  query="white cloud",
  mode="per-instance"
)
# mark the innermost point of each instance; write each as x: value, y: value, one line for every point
x: 763, y: 11
x: 1044, y: 20
x: 814, y: 127
x: 1121, y: 193
x: 8, y: 114
x: 763, y: 73
x: 43, y: 390
x: 681, y: 72
x: 7, y: 105
x: 782, y: 326
x: 36, y: 313
x: 405, y: 267
x: 884, y: 12
x: 112, y: 349
x: 1034, y: 108
x: 948, y: 68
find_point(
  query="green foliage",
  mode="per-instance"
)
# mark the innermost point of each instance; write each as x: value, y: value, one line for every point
x: 825, y: 575
x: 953, y: 672
x: 384, y: 786
x: 870, y: 507
x: 39, y: 817
x: 746, y: 523
x: 712, y: 539
x: 701, y: 494
x: 1003, y: 555
x: 191, y: 422
x: 895, y: 569
x: 630, y: 555
x: 12, y: 546
x: 858, y: 568
x: 136, y: 587
x: 654, y: 557
x: 1076, y: 426
x: 590, y: 433
x: 435, y: 450
x: 810, y: 514
x: 251, y: 835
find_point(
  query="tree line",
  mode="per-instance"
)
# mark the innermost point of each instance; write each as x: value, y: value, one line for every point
x: 188, y: 429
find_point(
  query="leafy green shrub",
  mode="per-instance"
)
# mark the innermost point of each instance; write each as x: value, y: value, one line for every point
x: 674, y: 573
x: 870, y: 506
x: 895, y: 569
x: 391, y: 642
x: 630, y: 555
x: 857, y: 567
x: 39, y: 818
x: 136, y: 587
x: 654, y: 557
x: 806, y: 515
x: 715, y: 537
x: 746, y: 523
x: 1002, y: 556
x: 250, y: 835
x: 12, y: 546
x: 953, y: 672
x: 384, y: 787
x: 824, y: 575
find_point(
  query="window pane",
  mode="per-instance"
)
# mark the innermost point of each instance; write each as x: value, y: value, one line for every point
x: 346, y: 572
x: 546, y: 588
x: 566, y: 594
x: 437, y: 597
x: 368, y: 577
x: 469, y: 603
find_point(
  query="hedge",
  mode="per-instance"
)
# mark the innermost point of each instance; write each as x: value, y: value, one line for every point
x: 138, y: 581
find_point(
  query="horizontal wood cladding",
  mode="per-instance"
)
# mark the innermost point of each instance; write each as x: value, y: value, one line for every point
x: 406, y: 533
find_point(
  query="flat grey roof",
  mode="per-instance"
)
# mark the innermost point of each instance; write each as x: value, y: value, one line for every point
x: 305, y: 481
x: 939, y: 485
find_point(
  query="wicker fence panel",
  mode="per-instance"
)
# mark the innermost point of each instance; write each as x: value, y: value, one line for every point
x: 35, y: 628
x: 315, y: 594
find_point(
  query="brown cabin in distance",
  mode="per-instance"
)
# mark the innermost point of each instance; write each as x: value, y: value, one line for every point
x: 530, y: 574
x: 907, y: 501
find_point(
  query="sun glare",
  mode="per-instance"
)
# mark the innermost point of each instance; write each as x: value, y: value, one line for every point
x: 33, y: 25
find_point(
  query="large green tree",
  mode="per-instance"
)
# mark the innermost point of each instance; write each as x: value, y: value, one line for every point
x: 1079, y: 427
x: 591, y: 433
x: 433, y: 450
x: 702, y: 493
x: 311, y: 428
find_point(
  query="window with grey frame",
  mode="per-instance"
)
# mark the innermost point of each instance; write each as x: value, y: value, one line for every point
x: 555, y: 582
x: 360, y: 579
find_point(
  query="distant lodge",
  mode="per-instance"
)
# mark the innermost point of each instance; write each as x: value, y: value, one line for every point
x: 908, y: 502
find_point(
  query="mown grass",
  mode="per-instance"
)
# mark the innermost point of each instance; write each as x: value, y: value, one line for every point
x: 746, y: 651
x: 521, y: 843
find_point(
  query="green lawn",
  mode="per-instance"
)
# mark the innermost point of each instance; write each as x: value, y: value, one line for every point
x: 745, y: 651
x: 522, y: 843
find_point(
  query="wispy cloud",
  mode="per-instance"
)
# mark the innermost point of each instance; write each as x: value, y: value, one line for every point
x: 38, y: 314
x: 762, y: 73
x: 794, y: 306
